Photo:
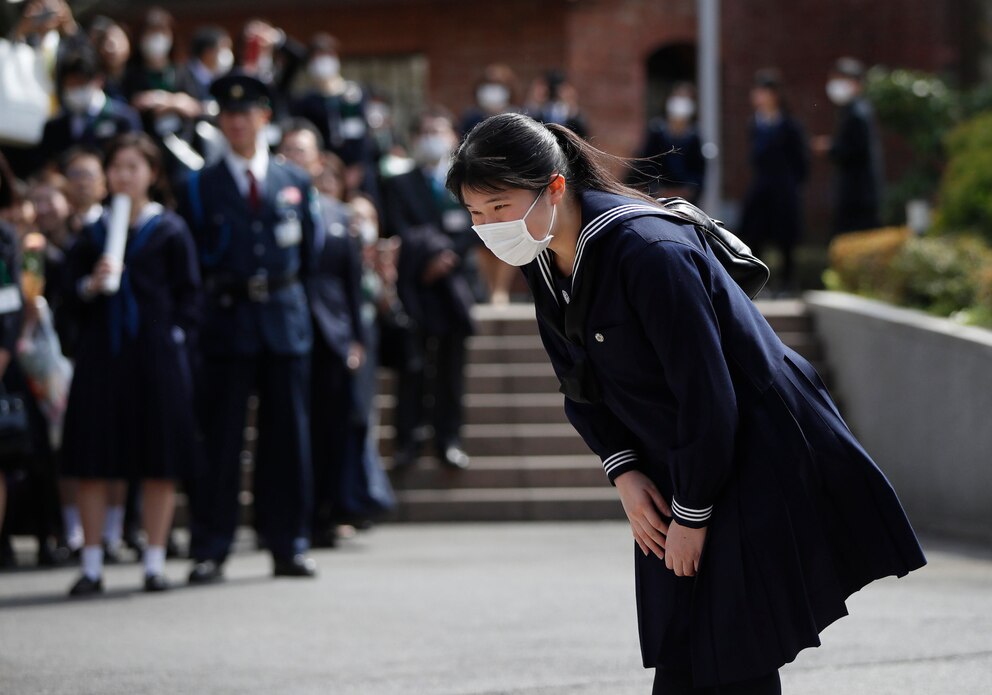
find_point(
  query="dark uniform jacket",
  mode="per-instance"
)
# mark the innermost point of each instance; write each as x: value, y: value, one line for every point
x: 255, y: 267
x: 114, y: 119
x: 673, y: 371
x: 428, y: 221
x: 856, y: 154
x: 335, y: 286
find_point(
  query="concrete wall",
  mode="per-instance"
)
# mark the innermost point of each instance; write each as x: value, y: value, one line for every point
x: 917, y: 391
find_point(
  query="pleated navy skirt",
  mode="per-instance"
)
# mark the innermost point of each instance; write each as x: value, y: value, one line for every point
x: 806, y: 520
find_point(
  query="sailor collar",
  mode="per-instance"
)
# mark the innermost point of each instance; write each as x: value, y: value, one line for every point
x: 603, y: 211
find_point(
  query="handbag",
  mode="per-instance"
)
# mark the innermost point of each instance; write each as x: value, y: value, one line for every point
x: 734, y: 255
x: 26, y: 91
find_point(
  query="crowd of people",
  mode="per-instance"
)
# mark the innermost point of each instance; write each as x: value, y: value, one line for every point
x: 277, y: 242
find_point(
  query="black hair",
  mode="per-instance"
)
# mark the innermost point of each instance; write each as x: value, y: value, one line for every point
x: 433, y: 111
x: 206, y: 39
x: 76, y: 152
x: 511, y: 150
x: 151, y: 153
x: 80, y: 62
x: 297, y: 124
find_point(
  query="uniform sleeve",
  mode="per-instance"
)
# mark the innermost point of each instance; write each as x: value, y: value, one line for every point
x: 353, y: 288
x: 852, y: 144
x: 669, y: 286
x: 600, y: 429
x: 184, y: 271
x: 313, y: 231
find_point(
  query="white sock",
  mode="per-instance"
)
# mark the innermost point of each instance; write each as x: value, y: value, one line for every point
x: 154, y: 559
x: 73, y: 527
x: 93, y: 561
x: 113, y: 526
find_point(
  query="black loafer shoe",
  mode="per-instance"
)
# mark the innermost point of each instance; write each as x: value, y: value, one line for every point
x: 85, y: 586
x: 299, y: 565
x: 206, y: 572
x: 112, y: 555
x: 455, y: 458
x: 156, y: 582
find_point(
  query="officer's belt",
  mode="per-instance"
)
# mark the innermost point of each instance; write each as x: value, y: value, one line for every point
x: 258, y: 288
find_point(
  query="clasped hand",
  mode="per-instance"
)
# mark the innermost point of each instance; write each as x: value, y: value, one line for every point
x: 679, y: 546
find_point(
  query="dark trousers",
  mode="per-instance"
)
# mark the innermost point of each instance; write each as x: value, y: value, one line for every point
x: 330, y: 426
x: 436, y: 386
x: 678, y: 682
x: 282, y: 476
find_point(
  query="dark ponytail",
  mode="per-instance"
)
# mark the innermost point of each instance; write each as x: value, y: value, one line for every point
x: 511, y: 150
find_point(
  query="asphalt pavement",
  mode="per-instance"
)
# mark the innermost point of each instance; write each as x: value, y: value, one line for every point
x: 457, y: 609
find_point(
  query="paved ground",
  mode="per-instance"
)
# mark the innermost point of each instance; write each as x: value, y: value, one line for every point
x: 457, y: 610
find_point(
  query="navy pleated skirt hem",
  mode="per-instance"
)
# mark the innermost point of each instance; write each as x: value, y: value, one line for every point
x: 806, y: 520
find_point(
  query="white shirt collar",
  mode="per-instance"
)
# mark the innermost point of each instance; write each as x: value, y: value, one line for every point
x: 150, y: 210
x: 93, y: 214
x: 258, y: 164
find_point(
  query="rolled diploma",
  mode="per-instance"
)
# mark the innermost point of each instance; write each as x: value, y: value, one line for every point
x: 120, y: 218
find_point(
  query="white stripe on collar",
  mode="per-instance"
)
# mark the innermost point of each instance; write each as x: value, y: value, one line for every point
x: 598, y: 224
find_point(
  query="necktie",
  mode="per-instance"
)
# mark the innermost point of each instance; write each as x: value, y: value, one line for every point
x: 252, y: 191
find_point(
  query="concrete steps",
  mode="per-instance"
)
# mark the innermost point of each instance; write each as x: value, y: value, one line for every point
x: 527, y: 462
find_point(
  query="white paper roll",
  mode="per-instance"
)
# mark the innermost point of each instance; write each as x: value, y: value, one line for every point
x: 120, y: 219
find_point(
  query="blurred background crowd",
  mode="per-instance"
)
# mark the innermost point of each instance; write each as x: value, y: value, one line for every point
x: 92, y: 104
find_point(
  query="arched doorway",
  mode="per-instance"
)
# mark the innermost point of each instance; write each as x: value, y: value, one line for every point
x: 668, y: 65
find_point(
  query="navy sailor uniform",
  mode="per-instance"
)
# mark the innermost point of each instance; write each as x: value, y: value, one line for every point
x: 129, y: 413
x: 668, y: 368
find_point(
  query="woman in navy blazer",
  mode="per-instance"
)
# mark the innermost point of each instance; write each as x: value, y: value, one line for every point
x: 755, y: 510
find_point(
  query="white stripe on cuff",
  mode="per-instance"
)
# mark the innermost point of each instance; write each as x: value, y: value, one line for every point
x: 619, y: 459
x: 691, y: 514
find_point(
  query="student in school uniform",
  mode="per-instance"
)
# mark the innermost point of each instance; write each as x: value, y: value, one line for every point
x: 130, y: 404
x: 756, y: 513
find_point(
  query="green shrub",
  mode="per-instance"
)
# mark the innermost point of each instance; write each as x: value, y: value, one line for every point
x: 860, y: 261
x: 939, y: 274
x: 966, y: 188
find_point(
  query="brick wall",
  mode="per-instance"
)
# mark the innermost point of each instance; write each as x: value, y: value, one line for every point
x: 604, y: 46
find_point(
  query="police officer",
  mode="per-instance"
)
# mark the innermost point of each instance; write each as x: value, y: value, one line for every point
x: 254, y: 222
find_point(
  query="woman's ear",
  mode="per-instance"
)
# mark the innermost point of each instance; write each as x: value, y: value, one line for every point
x: 556, y: 189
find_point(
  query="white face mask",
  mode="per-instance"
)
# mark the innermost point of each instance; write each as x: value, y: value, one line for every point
x: 325, y: 67
x: 78, y: 99
x: 368, y: 232
x: 156, y: 46
x: 840, y: 91
x: 493, y: 97
x: 680, y: 108
x: 432, y: 149
x: 511, y: 241
x: 225, y: 61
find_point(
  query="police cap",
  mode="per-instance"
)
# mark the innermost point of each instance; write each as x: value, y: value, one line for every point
x: 238, y: 91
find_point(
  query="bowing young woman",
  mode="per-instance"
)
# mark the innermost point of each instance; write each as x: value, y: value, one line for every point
x: 130, y: 407
x: 755, y: 511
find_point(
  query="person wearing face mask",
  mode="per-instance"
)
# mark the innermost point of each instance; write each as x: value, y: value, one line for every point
x: 553, y: 99
x: 435, y: 290
x: 337, y: 107
x: 755, y: 512
x: 88, y: 116
x: 670, y: 162
x: 772, y: 208
x: 854, y: 149
x: 163, y: 93
x: 338, y: 353
x: 493, y: 93
x: 211, y: 56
